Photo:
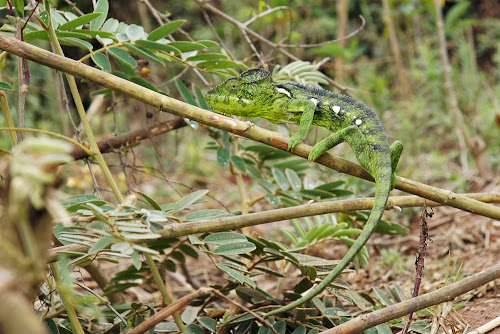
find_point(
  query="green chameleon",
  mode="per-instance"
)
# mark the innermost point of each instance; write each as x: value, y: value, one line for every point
x: 255, y: 94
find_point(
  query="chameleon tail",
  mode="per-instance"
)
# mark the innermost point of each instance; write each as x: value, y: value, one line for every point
x: 382, y: 189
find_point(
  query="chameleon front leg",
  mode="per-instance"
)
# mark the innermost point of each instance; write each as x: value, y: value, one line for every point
x: 307, y: 107
x: 333, y: 140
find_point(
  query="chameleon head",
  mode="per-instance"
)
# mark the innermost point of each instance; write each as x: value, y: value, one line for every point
x: 240, y: 95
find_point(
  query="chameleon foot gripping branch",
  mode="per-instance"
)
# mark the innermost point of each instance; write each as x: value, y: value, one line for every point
x: 254, y: 94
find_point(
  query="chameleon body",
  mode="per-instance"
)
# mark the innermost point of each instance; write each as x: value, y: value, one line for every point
x: 255, y: 94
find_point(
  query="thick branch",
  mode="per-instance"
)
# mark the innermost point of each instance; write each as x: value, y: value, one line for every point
x: 244, y: 129
x: 237, y: 222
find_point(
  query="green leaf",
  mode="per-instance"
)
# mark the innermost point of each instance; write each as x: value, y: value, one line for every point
x: 221, y: 64
x: 102, y: 61
x: 101, y: 244
x: 186, y: 46
x: 158, y: 46
x: 454, y: 14
x: 150, y: 201
x: 110, y: 25
x: 78, y: 42
x: 235, y: 248
x: 101, y: 7
x: 298, y: 228
x: 5, y: 86
x: 223, y: 156
x: 189, y: 315
x: 251, y: 295
x: 75, y: 202
x: 145, y: 249
x: 272, y: 199
x: 290, y: 236
x: 280, y: 327
x: 141, y: 52
x: 136, y: 260
x: 50, y: 324
x: 188, y: 250
x: 280, y: 178
x: 222, y: 238
x: 207, y: 56
x: 44, y: 18
x: 112, y: 289
x: 293, y: 179
x: 347, y: 232
x: 207, y: 214
x: 165, y: 30
x: 304, y: 285
x: 188, y: 200
x: 300, y: 330
x: 134, y: 32
x: 330, y: 186
x: 122, y: 247
x: 383, y: 298
x: 85, y: 33
x: 208, y: 43
x: 201, y: 99
x: 123, y: 56
x: 233, y: 273
x: 269, y: 271
x: 391, y: 228
x: 238, y: 163
x: 208, y: 323
x: 19, y: 5
x: 186, y: 95
x: 79, y: 21
x: 192, y: 329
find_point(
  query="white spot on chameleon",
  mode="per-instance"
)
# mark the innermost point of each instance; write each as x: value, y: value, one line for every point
x: 336, y: 109
x: 358, y: 121
x: 284, y: 91
x: 313, y: 100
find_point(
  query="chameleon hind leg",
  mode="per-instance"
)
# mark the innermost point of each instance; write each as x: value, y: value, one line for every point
x: 396, y: 149
x: 333, y: 140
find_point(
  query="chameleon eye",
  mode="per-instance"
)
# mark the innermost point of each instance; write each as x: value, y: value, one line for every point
x: 233, y: 86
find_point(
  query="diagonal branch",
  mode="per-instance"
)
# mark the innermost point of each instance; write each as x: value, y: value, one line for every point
x: 447, y: 293
x: 245, y: 129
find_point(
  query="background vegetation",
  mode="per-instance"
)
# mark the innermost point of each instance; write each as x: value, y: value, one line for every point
x: 435, y: 87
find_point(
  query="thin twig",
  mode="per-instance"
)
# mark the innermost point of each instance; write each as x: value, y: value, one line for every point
x: 315, y: 45
x: 419, y: 262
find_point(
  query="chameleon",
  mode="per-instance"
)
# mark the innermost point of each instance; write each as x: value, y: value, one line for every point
x: 255, y: 94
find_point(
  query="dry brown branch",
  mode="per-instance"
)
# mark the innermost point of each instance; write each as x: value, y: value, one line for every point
x: 167, y: 311
x: 442, y: 295
x: 133, y: 137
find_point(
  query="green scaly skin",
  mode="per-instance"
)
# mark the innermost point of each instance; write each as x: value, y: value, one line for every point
x: 255, y: 94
